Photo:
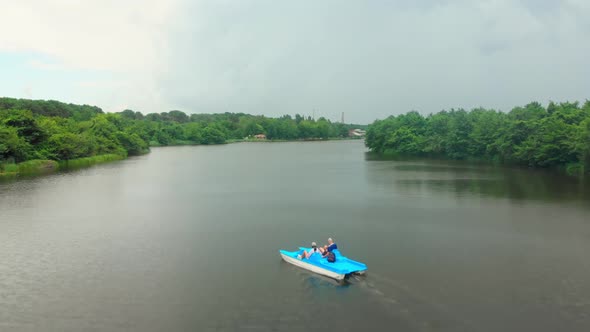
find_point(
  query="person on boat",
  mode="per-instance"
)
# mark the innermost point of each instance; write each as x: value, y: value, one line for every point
x: 328, y: 247
x: 314, y: 250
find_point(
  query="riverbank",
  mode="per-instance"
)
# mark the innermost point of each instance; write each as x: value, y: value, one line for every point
x: 29, y: 167
x: 154, y: 144
x: 259, y: 140
x: 577, y: 170
x: 553, y: 137
x: 37, y: 167
x: 89, y: 161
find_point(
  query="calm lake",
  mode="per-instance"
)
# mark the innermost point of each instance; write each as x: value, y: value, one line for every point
x: 187, y: 239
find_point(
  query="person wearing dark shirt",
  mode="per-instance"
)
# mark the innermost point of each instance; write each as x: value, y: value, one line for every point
x: 331, y: 246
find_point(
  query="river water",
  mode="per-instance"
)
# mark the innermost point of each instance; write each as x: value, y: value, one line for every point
x: 187, y: 239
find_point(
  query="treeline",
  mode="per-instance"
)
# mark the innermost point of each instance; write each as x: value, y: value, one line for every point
x: 555, y: 136
x: 51, y: 108
x: 51, y: 130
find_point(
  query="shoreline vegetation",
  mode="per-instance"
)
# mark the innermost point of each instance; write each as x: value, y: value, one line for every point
x: 553, y: 137
x: 39, y: 136
x: 37, y: 167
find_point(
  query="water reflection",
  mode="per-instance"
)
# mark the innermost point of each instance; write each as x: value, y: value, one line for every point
x: 427, y: 177
x: 312, y: 280
x: 186, y: 239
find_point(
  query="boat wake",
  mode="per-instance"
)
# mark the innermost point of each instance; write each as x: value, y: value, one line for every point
x: 420, y: 311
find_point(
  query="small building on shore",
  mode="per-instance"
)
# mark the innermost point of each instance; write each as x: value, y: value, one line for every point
x: 260, y: 136
x: 356, y: 133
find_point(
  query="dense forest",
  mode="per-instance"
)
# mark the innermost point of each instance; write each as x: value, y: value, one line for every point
x: 557, y: 136
x: 51, y: 130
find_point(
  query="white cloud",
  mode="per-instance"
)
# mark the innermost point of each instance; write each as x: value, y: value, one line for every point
x: 35, y: 63
x: 98, y: 35
x: 366, y: 58
x: 125, y: 41
x: 28, y: 91
x: 374, y: 58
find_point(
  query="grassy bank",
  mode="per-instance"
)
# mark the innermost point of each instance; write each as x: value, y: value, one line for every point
x: 29, y: 167
x: 174, y: 143
x: 89, y: 161
x: 275, y: 140
x: 34, y: 167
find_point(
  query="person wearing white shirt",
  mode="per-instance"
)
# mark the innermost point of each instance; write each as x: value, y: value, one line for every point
x: 314, y: 250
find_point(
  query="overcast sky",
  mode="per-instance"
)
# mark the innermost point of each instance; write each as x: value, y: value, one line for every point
x: 368, y: 59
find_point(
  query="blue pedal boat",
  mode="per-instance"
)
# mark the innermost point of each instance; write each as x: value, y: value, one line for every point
x: 338, y: 270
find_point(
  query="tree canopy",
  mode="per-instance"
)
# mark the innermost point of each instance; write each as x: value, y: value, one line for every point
x: 555, y: 136
x: 38, y: 129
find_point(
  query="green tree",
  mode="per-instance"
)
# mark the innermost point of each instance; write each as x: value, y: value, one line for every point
x: 307, y: 129
x: 193, y: 132
x: 558, y: 136
x: 132, y: 143
x: 13, y: 148
x: 212, y: 135
x: 25, y: 124
x: 68, y: 146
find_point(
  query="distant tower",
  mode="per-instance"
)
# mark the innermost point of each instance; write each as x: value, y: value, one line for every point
x: 342, y: 118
